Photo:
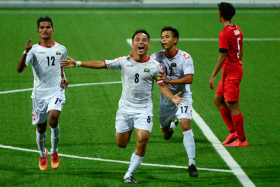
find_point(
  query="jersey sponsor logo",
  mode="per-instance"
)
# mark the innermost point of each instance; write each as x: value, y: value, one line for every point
x: 147, y: 70
x: 236, y: 32
x: 187, y: 56
x: 129, y: 65
x: 173, y: 64
x: 58, y: 53
x: 41, y: 52
x: 33, y: 117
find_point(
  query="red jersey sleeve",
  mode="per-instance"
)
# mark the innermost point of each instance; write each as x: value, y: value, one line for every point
x: 223, y: 42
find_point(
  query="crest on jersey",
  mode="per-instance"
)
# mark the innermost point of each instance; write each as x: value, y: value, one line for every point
x: 33, y: 117
x: 147, y: 70
x: 58, y: 53
x: 173, y: 64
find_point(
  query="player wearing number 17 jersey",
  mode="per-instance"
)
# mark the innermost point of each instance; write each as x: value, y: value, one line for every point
x: 48, y: 94
x: 227, y: 93
x: 135, y: 106
x: 178, y: 77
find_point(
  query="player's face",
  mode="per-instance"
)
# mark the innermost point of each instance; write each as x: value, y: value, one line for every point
x: 45, y: 30
x: 140, y: 44
x: 167, y: 40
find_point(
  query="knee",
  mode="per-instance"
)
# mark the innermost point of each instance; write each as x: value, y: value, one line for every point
x: 53, y: 122
x: 121, y: 144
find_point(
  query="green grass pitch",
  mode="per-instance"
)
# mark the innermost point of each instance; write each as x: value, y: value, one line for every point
x: 87, y: 119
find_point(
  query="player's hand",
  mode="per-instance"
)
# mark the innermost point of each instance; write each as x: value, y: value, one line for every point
x: 131, y: 54
x: 64, y: 83
x: 211, y: 82
x: 162, y: 76
x: 71, y: 63
x: 177, y: 100
x: 28, y: 46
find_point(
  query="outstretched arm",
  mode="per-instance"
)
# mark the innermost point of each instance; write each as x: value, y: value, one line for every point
x: 219, y: 65
x: 21, y: 63
x: 168, y: 94
x: 71, y: 63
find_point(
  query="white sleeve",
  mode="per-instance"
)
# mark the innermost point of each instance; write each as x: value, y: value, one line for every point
x: 29, y: 57
x: 115, y: 64
x: 64, y: 55
x: 188, y: 64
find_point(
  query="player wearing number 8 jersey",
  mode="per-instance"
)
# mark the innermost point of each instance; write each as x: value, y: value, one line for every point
x: 135, y: 106
x: 227, y: 93
x: 48, y: 94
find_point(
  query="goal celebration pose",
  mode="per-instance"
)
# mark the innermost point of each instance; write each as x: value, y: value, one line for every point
x: 48, y: 94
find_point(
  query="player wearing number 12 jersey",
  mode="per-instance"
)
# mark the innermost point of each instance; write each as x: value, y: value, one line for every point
x: 227, y: 93
x: 48, y: 94
x: 135, y: 106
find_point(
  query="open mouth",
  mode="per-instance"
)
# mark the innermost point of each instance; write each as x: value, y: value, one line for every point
x: 140, y: 47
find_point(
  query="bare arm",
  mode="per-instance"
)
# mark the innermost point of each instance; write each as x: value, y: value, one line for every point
x: 89, y: 64
x: 64, y: 82
x: 21, y: 63
x: 187, y: 79
x: 219, y: 65
x: 168, y: 94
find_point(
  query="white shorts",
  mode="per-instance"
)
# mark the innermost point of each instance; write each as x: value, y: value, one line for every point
x: 41, y: 108
x: 168, y: 112
x: 127, y: 122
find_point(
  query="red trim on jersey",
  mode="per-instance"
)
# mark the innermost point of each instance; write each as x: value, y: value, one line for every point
x: 53, y: 43
x: 174, y: 55
x: 145, y: 60
x: 105, y: 64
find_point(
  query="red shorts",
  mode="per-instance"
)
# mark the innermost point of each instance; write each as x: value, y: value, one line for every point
x: 229, y: 88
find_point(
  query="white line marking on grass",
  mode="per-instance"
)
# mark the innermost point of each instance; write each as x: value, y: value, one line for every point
x: 236, y: 169
x: 73, y: 85
x: 115, y: 161
x: 121, y: 12
x: 129, y: 41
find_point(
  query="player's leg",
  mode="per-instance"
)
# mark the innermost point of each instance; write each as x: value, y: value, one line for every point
x: 55, y: 106
x: 184, y: 113
x: 224, y: 111
x: 143, y: 126
x: 39, y: 118
x: 232, y: 90
x: 167, y: 120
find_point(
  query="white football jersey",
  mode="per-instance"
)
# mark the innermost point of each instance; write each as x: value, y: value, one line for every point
x: 46, y: 69
x: 137, y: 81
x: 176, y: 67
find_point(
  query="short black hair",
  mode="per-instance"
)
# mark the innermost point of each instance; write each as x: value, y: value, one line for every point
x: 141, y: 31
x: 45, y: 18
x: 172, y: 29
x: 227, y: 10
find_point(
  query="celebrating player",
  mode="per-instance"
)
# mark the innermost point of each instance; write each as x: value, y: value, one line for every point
x: 48, y: 94
x: 178, y: 76
x: 135, y: 106
x: 231, y: 52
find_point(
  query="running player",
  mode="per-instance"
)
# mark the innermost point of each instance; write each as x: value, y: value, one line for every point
x: 178, y: 77
x: 135, y: 106
x: 231, y: 52
x: 48, y: 94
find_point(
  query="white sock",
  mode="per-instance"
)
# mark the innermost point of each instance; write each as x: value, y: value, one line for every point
x: 135, y: 162
x: 54, y: 139
x: 189, y: 144
x: 172, y: 125
x: 41, y: 139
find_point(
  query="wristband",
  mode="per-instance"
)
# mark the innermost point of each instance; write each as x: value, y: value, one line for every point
x: 78, y: 63
x: 24, y: 52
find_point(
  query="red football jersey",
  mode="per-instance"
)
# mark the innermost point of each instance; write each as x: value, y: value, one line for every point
x: 230, y: 42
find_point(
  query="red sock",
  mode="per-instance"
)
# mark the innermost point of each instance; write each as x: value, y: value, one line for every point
x: 238, y: 122
x: 226, y: 115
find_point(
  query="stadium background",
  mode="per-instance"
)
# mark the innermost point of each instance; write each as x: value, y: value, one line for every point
x: 87, y: 120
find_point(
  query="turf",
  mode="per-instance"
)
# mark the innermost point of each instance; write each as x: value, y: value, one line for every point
x: 87, y: 120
